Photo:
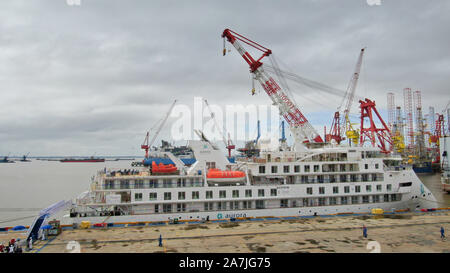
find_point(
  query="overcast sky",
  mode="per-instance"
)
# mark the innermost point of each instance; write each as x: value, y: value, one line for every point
x: 93, y: 78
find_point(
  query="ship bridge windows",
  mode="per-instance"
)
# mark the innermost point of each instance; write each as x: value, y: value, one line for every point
x: 247, y: 204
x: 138, y: 196
x: 124, y: 184
x: 109, y: 184
x: 210, y: 165
x: 332, y: 201
x: 260, y: 204
x: 354, y: 178
x: 167, y: 196
x: 335, y: 190
x: 181, y: 182
x: 139, y: 184
x: 347, y: 189
x: 153, y: 196
x: 261, y: 193
x: 307, y: 168
x: 262, y: 169
x: 322, y: 201
x: 209, y: 194
x: 167, y: 183
x: 248, y: 193
x: 208, y: 206
x: 181, y: 207
x: 274, y: 169
x: 316, y: 168
x: 406, y: 184
x: 153, y: 183
x: 167, y: 208
x: 235, y: 193
x: 222, y: 194
x: 195, y: 195
x: 320, y: 178
x: 181, y: 195
x: 365, y: 199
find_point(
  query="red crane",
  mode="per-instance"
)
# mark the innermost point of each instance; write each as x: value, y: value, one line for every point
x: 372, y: 132
x: 301, y: 129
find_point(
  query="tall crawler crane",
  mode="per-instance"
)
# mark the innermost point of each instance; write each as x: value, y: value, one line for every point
x: 341, y: 125
x: 301, y: 129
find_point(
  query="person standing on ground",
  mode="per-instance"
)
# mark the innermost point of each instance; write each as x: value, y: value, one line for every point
x: 30, y: 243
x: 442, y: 233
x: 160, y: 240
x: 364, y: 231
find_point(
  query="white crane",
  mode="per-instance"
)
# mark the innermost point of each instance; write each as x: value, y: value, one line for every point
x: 147, y: 144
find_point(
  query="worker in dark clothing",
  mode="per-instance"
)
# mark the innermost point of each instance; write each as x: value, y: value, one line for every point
x: 442, y: 233
x: 160, y: 240
x: 364, y: 231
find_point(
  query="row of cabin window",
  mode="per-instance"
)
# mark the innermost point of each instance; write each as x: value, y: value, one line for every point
x: 316, y: 168
x: 284, y: 203
x: 195, y: 195
x: 309, y: 190
x: 154, y: 183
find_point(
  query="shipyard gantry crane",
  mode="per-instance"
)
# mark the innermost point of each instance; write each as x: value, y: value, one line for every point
x: 301, y: 129
x: 146, y: 145
x: 341, y: 123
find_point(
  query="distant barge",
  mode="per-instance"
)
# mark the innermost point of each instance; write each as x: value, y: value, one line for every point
x: 82, y: 160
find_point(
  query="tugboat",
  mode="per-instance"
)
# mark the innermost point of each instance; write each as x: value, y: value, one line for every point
x: 6, y: 160
x: 24, y: 158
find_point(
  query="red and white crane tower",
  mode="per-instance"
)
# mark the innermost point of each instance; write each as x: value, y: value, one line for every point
x: 301, y: 129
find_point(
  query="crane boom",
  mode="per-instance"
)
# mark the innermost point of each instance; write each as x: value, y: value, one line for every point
x: 228, y: 144
x: 162, y: 124
x: 148, y: 143
x: 341, y: 117
x: 302, y: 130
x: 350, y: 94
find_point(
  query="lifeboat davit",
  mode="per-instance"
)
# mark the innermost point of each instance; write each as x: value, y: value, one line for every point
x: 216, y: 175
x: 161, y: 168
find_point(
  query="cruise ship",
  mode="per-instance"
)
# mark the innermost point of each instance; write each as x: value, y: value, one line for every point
x: 320, y: 180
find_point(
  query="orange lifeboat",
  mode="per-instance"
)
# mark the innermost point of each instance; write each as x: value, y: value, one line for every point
x: 216, y: 175
x: 161, y: 168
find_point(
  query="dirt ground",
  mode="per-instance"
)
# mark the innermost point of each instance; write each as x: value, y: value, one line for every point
x: 410, y: 232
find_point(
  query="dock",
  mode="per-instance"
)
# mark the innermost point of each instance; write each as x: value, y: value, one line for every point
x: 393, y: 233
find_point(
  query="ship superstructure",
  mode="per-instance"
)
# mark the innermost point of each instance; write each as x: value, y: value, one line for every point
x: 325, y: 180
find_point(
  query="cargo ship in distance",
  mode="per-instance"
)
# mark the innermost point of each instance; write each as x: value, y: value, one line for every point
x: 82, y: 160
